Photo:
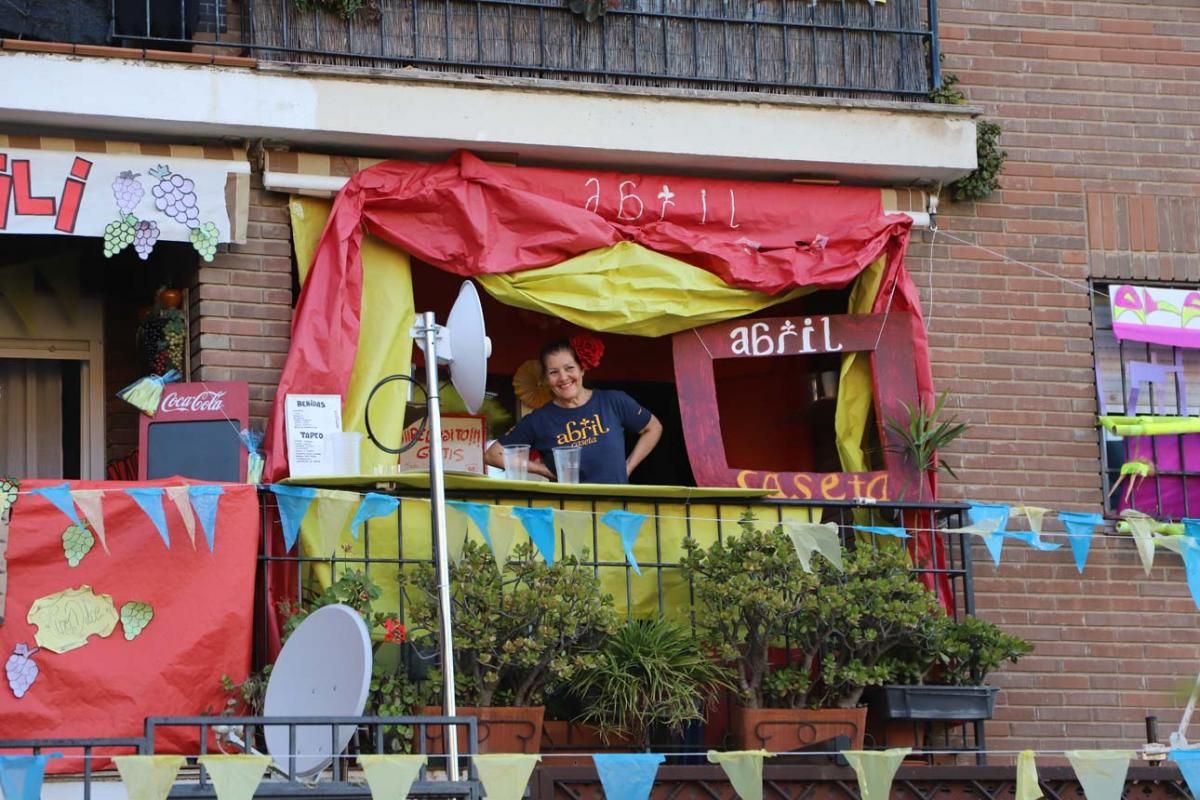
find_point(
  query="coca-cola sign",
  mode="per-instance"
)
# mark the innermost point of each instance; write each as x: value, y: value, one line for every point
x: 174, y: 401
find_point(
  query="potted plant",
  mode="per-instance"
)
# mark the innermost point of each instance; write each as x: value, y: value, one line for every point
x: 943, y: 677
x: 650, y: 675
x: 843, y: 631
x: 517, y: 635
x: 922, y: 435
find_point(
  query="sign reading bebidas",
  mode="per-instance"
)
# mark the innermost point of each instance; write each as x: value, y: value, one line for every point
x: 195, y: 433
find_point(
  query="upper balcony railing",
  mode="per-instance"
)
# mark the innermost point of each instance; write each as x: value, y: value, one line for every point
x: 828, y: 48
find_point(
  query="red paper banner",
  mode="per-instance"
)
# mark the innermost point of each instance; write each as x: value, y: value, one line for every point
x: 201, y: 627
x: 468, y: 217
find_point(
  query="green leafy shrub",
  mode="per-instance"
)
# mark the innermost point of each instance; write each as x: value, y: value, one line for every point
x: 649, y: 674
x: 519, y: 634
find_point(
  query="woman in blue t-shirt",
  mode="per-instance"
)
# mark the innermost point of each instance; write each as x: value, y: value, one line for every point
x: 594, y: 420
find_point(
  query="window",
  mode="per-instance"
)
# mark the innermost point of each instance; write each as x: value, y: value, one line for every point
x: 1135, y: 378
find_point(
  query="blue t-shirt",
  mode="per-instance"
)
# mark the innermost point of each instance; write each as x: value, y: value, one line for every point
x: 598, y: 427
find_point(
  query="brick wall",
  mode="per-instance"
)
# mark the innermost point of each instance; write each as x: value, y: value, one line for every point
x: 242, y: 305
x: 1099, y: 103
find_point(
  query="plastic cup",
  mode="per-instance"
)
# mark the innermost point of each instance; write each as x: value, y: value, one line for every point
x: 516, y: 462
x: 566, y: 464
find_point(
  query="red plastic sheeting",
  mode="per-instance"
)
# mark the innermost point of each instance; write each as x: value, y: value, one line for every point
x: 201, y: 629
x: 468, y: 218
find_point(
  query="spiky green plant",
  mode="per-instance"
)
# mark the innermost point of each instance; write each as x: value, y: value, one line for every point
x: 650, y: 674
x: 923, y: 435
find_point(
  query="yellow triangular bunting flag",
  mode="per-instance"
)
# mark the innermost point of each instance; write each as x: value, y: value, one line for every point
x: 504, y: 776
x: 16, y: 286
x: 334, y: 510
x: 502, y: 528
x: 1035, y: 515
x: 1027, y: 777
x: 390, y: 777
x: 745, y: 770
x: 179, y: 496
x: 875, y: 770
x: 808, y: 537
x: 148, y: 777
x: 91, y: 503
x: 1101, y: 773
x: 456, y: 532
x: 235, y: 777
x: 1141, y: 528
x: 577, y: 531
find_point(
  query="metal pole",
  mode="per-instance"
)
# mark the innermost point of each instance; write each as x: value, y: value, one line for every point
x: 437, y: 511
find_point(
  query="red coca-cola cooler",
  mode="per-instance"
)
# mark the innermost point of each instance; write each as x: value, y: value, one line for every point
x: 196, y: 432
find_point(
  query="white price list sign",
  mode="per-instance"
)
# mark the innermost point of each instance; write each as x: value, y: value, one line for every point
x: 313, y: 422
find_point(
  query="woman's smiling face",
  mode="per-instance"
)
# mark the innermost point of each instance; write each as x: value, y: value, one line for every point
x: 564, y: 376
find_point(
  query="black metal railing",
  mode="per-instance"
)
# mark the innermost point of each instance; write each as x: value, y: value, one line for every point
x: 840, y: 48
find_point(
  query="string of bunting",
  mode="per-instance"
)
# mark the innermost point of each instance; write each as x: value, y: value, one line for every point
x: 337, y: 510
x: 624, y: 776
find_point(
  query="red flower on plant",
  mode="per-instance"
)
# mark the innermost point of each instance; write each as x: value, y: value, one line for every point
x: 589, y: 349
x: 395, y: 631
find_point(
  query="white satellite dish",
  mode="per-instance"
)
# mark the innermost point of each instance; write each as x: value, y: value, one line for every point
x: 463, y: 344
x: 324, y: 670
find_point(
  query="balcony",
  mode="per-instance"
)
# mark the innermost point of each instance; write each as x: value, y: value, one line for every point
x: 841, y: 49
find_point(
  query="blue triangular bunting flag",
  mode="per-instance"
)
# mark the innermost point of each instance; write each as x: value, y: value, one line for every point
x: 60, y: 496
x: 21, y: 776
x: 627, y: 776
x: 1189, y: 766
x: 373, y: 505
x: 479, y: 514
x: 539, y: 524
x: 899, y: 533
x: 293, y: 502
x: 1191, y: 527
x: 204, y: 500
x: 1032, y: 539
x: 149, y: 499
x: 1081, y: 527
x: 1190, y: 550
x: 629, y: 525
x: 995, y: 541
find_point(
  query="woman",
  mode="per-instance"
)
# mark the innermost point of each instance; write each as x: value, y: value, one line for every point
x: 594, y: 420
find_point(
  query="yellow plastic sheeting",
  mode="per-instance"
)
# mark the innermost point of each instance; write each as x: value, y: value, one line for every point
x: 629, y: 591
x: 629, y: 289
x: 855, y: 394
x: 384, y: 339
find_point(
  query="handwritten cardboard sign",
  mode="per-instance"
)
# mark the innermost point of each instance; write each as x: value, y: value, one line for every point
x: 463, y: 438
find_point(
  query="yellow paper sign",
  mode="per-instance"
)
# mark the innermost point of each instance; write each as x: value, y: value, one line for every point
x: 66, y: 619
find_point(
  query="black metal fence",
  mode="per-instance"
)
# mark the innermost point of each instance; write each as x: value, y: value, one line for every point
x: 841, y: 48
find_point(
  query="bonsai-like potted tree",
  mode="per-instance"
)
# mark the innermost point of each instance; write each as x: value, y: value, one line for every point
x: 651, y: 675
x: 517, y: 635
x: 839, y: 631
x: 942, y: 676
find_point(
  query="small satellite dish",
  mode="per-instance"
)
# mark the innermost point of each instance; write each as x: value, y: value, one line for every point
x: 470, y: 347
x: 324, y: 670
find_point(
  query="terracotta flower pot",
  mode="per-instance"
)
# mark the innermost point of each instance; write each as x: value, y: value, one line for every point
x: 501, y: 730
x: 781, y: 730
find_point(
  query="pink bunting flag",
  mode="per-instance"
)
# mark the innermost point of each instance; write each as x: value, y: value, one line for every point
x: 91, y: 503
x: 179, y: 496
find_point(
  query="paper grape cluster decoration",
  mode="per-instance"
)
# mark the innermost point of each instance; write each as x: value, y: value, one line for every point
x: 135, y: 616
x: 77, y: 541
x: 174, y: 196
x: 21, y: 670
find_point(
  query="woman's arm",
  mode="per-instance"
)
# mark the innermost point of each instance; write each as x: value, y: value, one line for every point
x: 494, y: 457
x: 647, y: 439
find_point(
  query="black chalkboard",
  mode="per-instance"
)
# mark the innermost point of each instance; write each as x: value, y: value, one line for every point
x: 206, y: 450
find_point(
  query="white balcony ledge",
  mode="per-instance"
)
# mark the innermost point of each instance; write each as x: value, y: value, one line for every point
x: 420, y: 114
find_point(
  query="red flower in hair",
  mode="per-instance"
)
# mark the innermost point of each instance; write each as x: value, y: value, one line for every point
x: 589, y: 349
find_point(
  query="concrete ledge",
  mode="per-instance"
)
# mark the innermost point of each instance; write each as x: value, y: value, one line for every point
x: 416, y: 115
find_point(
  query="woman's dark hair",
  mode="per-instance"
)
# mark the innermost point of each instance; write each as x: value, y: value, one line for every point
x: 557, y: 346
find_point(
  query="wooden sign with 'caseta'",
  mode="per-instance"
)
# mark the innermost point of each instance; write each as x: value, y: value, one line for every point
x: 888, y: 342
